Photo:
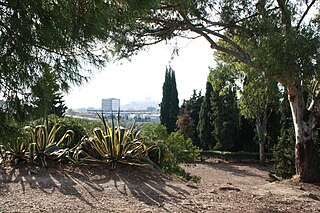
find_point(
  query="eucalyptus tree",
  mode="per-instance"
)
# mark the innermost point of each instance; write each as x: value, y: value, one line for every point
x: 259, y: 98
x: 278, y: 38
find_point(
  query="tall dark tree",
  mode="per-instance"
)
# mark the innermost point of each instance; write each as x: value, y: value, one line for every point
x: 246, y: 135
x: 283, y: 154
x: 205, y: 126
x: 47, y: 97
x: 58, y: 106
x: 225, y: 112
x: 169, y: 106
x: 190, y: 110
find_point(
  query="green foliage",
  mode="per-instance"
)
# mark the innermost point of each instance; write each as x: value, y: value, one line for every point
x: 112, y: 145
x: 9, y: 129
x: 205, y: 126
x: 188, y: 117
x: 246, y: 135
x: 45, y: 142
x: 224, y: 110
x: 284, y: 151
x: 169, y: 106
x: 175, y: 149
x: 284, y: 156
x: 185, y: 124
x: 47, y: 97
x: 62, y: 35
x: 80, y: 127
x: 38, y: 143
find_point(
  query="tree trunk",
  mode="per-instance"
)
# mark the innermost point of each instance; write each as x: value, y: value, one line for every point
x: 305, y: 120
x: 261, y: 127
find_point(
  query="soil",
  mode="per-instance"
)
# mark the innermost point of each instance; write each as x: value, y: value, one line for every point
x: 224, y: 187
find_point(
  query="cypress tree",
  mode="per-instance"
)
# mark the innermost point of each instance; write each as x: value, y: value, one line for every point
x: 205, y: 125
x: 225, y: 112
x: 225, y: 119
x: 169, y: 106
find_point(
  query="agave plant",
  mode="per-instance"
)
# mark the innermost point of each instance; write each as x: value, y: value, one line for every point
x: 38, y: 142
x: 17, y: 149
x: 112, y: 145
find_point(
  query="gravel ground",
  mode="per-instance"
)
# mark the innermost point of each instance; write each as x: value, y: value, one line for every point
x: 224, y: 187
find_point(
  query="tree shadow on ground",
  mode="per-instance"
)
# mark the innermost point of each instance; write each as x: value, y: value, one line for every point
x: 144, y: 184
x: 235, y: 168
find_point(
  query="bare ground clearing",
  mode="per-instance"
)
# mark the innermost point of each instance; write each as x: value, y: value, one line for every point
x: 224, y: 187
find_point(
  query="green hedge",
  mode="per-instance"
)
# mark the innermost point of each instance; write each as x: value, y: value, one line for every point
x: 237, y: 156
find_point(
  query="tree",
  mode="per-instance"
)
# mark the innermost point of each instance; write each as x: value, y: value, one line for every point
x: 47, y: 97
x: 225, y: 113
x: 205, y: 126
x: 283, y: 154
x: 246, y: 135
x: 279, y: 38
x: 169, y: 106
x: 258, y: 100
x: 185, y: 124
x: 64, y: 35
x: 188, y: 118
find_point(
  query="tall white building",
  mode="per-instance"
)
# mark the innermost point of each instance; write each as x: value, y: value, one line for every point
x: 110, y: 104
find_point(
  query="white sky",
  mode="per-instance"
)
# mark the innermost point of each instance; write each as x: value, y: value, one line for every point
x: 144, y: 75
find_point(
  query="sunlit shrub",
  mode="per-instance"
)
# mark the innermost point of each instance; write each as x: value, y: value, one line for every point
x: 174, y: 148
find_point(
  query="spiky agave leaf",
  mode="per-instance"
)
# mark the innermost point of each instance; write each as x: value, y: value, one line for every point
x: 32, y: 152
x: 68, y: 136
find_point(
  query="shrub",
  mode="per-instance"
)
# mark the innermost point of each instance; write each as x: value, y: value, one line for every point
x: 284, y: 156
x: 174, y: 148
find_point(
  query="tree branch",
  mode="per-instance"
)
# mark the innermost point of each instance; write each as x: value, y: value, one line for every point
x: 305, y: 13
x: 202, y: 31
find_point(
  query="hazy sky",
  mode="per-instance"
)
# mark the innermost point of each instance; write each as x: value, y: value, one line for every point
x: 144, y: 75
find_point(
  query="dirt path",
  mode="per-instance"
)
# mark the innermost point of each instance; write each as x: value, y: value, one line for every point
x: 224, y: 187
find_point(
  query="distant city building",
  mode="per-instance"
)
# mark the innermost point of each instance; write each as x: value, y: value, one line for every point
x: 147, y: 104
x: 110, y: 104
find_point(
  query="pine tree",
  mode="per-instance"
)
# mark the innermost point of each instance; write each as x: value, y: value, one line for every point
x: 205, y: 125
x: 58, y: 106
x: 47, y: 97
x: 169, y: 106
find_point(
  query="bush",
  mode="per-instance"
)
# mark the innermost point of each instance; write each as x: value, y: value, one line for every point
x: 284, y: 156
x: 174, y: 149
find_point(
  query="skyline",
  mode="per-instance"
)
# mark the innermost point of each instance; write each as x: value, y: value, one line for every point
x: 143, y: 76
